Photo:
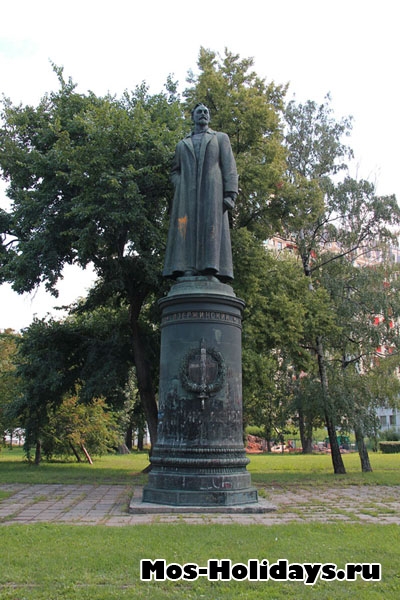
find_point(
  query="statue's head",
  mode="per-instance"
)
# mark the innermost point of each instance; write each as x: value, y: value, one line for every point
x: 201, y: 114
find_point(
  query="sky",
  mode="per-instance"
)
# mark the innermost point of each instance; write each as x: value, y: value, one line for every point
x: 348, y: 48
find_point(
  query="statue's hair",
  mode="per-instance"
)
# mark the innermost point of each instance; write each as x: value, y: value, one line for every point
x: 200, y: 104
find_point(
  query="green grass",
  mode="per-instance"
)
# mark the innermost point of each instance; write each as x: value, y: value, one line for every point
x: 316, y: 470
x: 63, y: 562
x: 110, y: 469
x: 266, y: 469
x: 41, y: 562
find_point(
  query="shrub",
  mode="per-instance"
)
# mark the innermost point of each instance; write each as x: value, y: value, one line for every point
x: 74, y: 426
x: 389, y: 447
x: 390, y: 435
x: 255, y: 430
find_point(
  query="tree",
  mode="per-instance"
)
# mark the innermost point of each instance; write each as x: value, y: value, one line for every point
x: 90, y: 428
x: 307, y: 407
x: 281, y: 316
x: 131, y: 419
x: 86, y: 355
x: 250, y: 111
x: 88, y: 178
x: 364, y: 357
x: 9, y: 382
x: 88, y: 181
x: 346, y: 215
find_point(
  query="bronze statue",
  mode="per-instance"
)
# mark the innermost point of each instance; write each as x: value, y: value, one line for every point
x: 206, y: 185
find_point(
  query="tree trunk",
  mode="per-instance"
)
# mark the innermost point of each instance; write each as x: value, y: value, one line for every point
x: 38, y: 452
x: 307, y: 445
x: 337, y: 460
x: 362, y: 451
x: 268, y: 433
x: 144, y: 379
x: 305, y: 436
x: 78, y: 458
x: 129, y: 437
x: 140, y: 439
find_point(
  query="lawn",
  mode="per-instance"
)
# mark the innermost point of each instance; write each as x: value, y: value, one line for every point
x: 266, y: 469
x: 316, y: 469
x: 110, y: 469
x: 64, y: 562
x: 40, y: 562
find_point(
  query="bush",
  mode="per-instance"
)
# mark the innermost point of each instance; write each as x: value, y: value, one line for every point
x: 390, y: 435
x: 255, y: 430
x: 75, y: 427
x: 389, y: 447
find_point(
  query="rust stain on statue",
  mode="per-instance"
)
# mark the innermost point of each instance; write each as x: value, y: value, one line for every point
x: 182, y: 225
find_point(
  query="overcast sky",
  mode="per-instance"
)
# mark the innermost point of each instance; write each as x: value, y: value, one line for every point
x: 349, y: 48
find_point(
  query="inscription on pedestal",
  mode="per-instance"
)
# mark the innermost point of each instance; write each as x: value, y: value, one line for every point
x: 186, y: 420
x: 202, y: 315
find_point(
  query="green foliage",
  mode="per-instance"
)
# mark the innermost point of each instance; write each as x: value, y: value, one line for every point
x: 254, y: 430
x: 307, y: 406
x: 344, y: 211
x: 88, y: 180
x: 282, y: 318
x: 330, y: 230
x: 86, y: 354
x: 314, y: 138
x: 389, y: 447
x: 9, y: 382
x: 57, y: 357
x: 390, y: 435
x: 364, y: 356
x: 130, y: 418
x: 249, y: 110
x: 74, y: 426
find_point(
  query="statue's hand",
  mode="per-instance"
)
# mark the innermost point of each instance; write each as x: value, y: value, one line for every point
x: 228, y: 203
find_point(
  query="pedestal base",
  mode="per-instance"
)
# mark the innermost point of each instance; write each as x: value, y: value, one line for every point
x: 199, y: 486
x: 199, y: 459
x: 138, y: 507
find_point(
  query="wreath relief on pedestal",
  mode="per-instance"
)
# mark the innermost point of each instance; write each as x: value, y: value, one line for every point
x: 203, y: 371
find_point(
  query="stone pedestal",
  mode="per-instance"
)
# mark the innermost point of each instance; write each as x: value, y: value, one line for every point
x: 199, y: 458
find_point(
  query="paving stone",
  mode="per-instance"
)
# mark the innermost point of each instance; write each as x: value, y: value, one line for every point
x: 106, y: 504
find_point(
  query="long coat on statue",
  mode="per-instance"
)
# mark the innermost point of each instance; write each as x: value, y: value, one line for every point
x: 198, y: 238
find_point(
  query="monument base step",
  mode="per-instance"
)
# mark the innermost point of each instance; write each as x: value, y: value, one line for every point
x: 138, y: 506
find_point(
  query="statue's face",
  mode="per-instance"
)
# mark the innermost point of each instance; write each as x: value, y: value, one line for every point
x: 201, y: 116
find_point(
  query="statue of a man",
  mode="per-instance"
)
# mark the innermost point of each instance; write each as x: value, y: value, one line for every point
x: 206, y: 185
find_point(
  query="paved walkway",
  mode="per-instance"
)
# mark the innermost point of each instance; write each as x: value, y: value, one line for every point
x: 108, y: 505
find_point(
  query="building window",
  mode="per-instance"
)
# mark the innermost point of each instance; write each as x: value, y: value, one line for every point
x: 392, y: 419
x: 383, y: 419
